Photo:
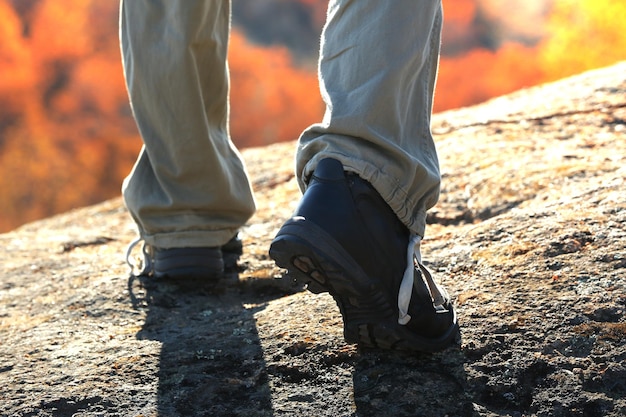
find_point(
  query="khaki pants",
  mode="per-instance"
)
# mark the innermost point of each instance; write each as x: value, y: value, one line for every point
x: 377, y: 70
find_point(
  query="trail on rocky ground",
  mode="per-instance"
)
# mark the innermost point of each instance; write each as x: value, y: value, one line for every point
x: 529, y: 236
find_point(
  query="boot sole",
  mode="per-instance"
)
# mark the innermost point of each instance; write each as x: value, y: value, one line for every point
x: 313, y: 258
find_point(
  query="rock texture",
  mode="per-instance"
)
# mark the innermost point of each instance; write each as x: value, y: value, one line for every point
x: 529, y: 236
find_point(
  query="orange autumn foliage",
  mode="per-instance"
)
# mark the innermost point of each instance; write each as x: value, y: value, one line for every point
x: 579, y: 35
x: 583, y: 34
x: 486, y: 74
x: 271, y: 100
x: 67, y: 137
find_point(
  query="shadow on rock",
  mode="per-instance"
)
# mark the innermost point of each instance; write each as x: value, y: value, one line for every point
x: 211, y: 361
x: 409, y: 384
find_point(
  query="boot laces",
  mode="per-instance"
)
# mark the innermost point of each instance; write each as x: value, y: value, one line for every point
x: 144, y: 266
x: 438, y: 294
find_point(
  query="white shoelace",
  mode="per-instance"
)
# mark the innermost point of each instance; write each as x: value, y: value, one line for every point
x: 144, y: 267
x: 414, y: 260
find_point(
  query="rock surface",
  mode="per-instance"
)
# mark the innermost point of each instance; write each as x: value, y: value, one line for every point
x: 529, y: 236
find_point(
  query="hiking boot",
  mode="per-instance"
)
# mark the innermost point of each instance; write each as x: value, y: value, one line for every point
x: 231, y: 252
x: 345, y: 240
x: 190, y: 263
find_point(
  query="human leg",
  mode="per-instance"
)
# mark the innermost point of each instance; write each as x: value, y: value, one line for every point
x: 369, y: 172
x: 378, y: 64
x: 189, y: 186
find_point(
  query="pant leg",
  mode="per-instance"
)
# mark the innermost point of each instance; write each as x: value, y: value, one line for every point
x: 189, y: 186
x: 377, y: 69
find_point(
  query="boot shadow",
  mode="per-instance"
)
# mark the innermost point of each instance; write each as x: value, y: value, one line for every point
x: 211, y: 362
x: 411, y: 384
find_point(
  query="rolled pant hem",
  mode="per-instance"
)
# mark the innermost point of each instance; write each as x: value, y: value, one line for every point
x: 190, y: 238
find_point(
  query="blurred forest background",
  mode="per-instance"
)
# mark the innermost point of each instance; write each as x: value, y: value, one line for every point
x: 67, y: 137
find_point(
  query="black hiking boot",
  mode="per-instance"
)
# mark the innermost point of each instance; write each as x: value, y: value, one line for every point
x: 198, y: 263
x: 346, y: 240
x: 207, y: 264
x: 193, y: 264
